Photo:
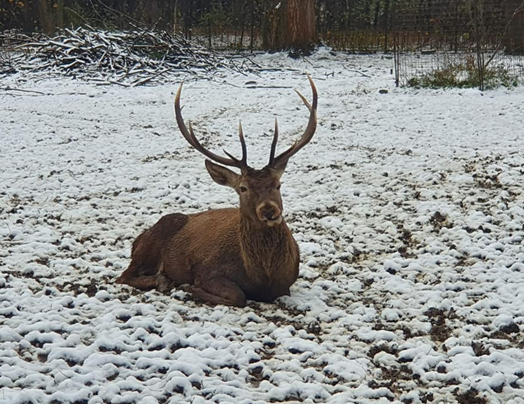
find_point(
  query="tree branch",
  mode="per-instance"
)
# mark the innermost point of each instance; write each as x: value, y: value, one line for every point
x: 504, y: 33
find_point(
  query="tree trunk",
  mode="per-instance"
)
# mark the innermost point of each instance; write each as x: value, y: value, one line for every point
x: 46, y: 17
x: 290, y: 25
x: 30, y: 16
x: 387, y: 23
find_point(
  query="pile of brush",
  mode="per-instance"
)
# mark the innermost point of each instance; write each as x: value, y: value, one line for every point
x: 129, y: 58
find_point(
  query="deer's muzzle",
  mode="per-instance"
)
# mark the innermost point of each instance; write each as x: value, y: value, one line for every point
x: 269, y: 213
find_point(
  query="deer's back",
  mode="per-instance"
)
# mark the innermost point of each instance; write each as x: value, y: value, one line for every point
x: 206, y: 246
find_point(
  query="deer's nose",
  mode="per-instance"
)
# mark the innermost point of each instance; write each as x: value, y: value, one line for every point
x: 268, y: 212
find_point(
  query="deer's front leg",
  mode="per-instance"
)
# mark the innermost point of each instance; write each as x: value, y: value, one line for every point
x: 143, y: 282
x: 219, y: 290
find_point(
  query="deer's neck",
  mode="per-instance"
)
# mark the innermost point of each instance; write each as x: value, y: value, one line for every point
x: 265, y: 247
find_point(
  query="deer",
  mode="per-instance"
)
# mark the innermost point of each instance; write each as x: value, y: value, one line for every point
x: 231, y: 255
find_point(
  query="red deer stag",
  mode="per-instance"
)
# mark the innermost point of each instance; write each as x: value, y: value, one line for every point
x: 226, y: 255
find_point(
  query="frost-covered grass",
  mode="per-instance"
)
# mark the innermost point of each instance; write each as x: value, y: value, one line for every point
x: 407, y: 206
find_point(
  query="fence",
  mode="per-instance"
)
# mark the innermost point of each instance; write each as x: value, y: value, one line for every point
x: 459, y: 43
x: 435, y: 42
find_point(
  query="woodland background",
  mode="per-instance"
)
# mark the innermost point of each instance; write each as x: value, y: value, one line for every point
x: 355, y: 25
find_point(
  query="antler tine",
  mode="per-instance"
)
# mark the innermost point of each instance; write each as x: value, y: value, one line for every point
x: 243, y: 161
x: 242, y: 143
x: 189, y: 135
x: 274, y: 144
x: 306, y: 136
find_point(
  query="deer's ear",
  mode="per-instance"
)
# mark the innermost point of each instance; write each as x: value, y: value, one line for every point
x: 222, y: 175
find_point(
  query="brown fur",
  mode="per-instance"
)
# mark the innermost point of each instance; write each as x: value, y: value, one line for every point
x: 227, y: 255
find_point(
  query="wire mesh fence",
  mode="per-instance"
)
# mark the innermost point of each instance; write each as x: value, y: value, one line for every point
x: 434, y: 42
x: 459, y: 43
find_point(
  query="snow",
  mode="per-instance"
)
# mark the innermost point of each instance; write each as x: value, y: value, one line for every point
x: 407, y: 206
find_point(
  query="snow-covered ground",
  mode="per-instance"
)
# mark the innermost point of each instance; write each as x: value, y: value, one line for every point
x: 408, y: 207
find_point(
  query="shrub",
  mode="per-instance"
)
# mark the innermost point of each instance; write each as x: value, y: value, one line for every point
x: 465, y: 74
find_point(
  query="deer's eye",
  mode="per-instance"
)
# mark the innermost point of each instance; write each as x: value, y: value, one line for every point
x: 278, y: 186
x: 243, y: 189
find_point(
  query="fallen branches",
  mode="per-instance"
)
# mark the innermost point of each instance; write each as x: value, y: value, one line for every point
x: 128, y: 58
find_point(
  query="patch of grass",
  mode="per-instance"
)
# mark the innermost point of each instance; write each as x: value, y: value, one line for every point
x: 465, y: 75
x: 499, y: 76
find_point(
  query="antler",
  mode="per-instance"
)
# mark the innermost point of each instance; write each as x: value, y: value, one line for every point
x: 282, y: 158
x: 189, y: 135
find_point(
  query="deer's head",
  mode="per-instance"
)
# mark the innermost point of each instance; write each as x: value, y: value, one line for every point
x: 259, y: 190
